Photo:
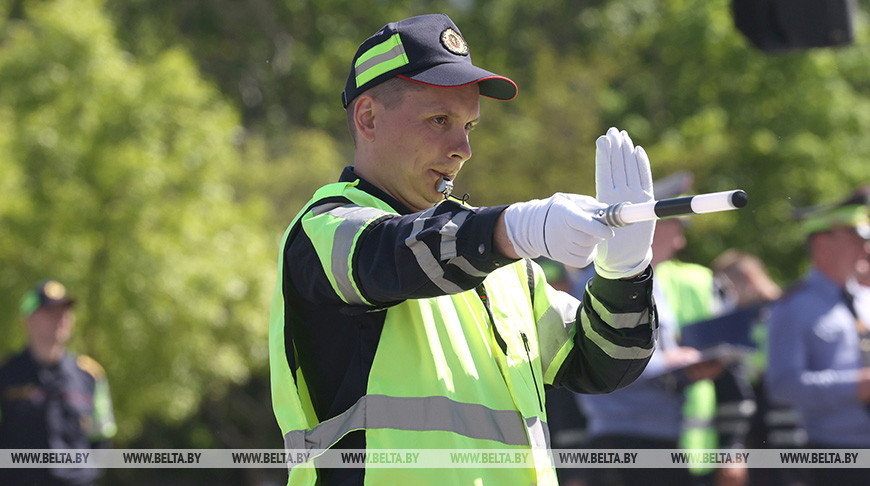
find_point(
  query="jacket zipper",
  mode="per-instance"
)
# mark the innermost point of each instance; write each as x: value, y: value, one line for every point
x: 481, y: 292
x: 532, y: 369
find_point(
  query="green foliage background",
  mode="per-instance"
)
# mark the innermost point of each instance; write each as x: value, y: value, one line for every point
x: 152, y: 152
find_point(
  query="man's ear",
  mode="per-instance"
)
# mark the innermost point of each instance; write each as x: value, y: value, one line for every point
x: 364, y: 117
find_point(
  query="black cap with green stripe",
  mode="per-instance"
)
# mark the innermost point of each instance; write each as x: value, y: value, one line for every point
x: 46, y: 294
x: 427, y: 49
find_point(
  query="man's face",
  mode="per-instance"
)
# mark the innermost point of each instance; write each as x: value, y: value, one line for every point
x: 668, y: 239
x: 421, y: 140
x: 51, y: 324
x: 847, y: 243
x: 838, y: 251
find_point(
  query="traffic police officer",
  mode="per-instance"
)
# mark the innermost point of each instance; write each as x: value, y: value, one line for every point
x: 405, y: 320
x: 49, y: 397
x: 816, y: 338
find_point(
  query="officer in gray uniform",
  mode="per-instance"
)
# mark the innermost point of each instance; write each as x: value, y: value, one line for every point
x: 815, y: 361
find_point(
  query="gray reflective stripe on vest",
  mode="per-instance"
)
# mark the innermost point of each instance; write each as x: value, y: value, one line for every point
x: 787, y: 438
x: 736, y: 408
x: 736, y: 427
x: 627, y: 320
x: 325, y: 208
x: 427, y: 261
x: 421, y: 414
x: 777, y: 417
x: 554, y: 326
x: 612, y: 350
x: 539, y: 433
x: 354, y: 218
x: 697, y: 423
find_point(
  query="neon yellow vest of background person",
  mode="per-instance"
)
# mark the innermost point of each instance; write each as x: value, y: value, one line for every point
x: 439, y: 379
x: 688, y: 289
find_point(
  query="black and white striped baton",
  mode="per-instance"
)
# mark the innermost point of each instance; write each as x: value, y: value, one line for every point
x: 624, y: 213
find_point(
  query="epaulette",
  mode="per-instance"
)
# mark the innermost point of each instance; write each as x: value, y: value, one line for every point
x: 91, y: 366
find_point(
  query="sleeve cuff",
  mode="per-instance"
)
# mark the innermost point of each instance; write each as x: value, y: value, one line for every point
x: 632, y: 295
x: 474, y: 239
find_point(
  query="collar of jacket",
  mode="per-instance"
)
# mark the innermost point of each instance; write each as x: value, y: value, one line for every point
x: 349, y: 175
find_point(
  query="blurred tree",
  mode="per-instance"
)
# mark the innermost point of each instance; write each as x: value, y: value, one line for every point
x: 675, y: 73
x: 117, y: 180
x: 122, y: 162
x: 791, y: 130
x: 283, y: 63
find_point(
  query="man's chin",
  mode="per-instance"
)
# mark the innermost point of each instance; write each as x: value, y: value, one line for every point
x: 434, y: 198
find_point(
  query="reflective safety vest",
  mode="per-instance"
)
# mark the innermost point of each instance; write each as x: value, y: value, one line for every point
x: 459, y: 372
x: 688, y: 288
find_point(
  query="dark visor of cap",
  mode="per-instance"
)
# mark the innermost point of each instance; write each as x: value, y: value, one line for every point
x: 460, y: 74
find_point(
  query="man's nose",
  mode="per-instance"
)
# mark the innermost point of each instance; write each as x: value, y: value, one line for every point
x: 461, y: 147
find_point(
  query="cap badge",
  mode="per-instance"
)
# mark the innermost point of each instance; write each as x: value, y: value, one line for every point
x: 54, y: 290
x: 454, y: 42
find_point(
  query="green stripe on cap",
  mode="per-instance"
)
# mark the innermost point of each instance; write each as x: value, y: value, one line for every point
x: 828, y: 219
x: 29, y: 303
x: 382, y: 58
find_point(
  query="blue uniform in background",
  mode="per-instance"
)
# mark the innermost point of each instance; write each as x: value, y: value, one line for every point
x: 814, y: 356
x: 65, y: 406
x: 651, y: 407
x: 644, y: 415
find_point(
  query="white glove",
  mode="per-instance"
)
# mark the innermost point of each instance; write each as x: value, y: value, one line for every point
x: 561, y: 228
x: 622, y: 174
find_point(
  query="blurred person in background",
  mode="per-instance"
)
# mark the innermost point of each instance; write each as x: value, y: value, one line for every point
x: 860, y: 288
x: 675, y: 387
x: 51, y: 398
x: 747, y: 290
x: 818, y: 346
x: 862, y: 279
x: 743, y: 280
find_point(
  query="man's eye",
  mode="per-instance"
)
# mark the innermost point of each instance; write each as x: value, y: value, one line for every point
x: 440, y: 120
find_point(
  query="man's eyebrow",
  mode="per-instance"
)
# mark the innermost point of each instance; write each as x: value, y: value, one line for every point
x: 440, y: 109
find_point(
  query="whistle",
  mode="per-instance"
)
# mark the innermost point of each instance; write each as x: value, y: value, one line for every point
x: 445, y: 186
